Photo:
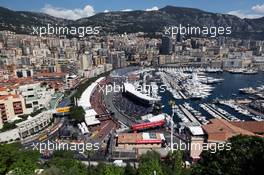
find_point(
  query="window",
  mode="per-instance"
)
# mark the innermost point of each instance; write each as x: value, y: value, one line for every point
x: 152, y: 135
x: 28, y: 106
x: 35, y: 102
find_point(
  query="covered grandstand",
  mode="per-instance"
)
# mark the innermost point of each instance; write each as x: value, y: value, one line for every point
x: 130, y: 89
x: 84, y: 102
x: 130, y: 107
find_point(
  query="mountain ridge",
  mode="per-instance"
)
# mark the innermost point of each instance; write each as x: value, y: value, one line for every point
x: 137, y: 21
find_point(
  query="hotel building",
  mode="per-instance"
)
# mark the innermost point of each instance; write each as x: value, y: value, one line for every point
x: 11, y: 106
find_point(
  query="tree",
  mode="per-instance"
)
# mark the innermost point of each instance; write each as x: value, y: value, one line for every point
x: 245, y: 157
x: 52, y: 171
x: 64, y: 161
x: 63, y: 154
x: 113, y: 170
x: 77, y: 114
x: 150, y: 163
x: 17, y: 161
x: 8, y: 126
x: 99, y: 170
x: 129, y: 170
x: 173, y: 162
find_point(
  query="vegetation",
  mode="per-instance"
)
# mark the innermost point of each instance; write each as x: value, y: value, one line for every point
x: 17, y: 161
x: 8, y: 126
x: 64, y: 163
x: 77, y: 114
x: 173, y: 163
x: 89, y: 154
x: 32, y: 114
x: 81, y: 88
x: 129, y: 170
x: 150, y: 163
x: 245, y: 158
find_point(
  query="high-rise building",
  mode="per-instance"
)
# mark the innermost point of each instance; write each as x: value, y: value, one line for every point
x: 86, y: 60
x: 24, y: 73
x: 179, y: 37
x: 117, y: 59
x: 71, y: 81
x: 166, y: 46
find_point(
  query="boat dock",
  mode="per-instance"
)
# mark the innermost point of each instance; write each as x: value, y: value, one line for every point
x: 182, y: 94
x: 251, y: 110
x: 212, y: 111
x: 189, y: 115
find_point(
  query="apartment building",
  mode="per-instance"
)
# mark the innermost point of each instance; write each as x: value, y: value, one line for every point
x: 1, y: 121
x: 71, y: 81
x: 36, y: 95
x: 11, y: 106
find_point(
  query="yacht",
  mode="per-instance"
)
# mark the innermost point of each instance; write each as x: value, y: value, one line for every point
x: 236, y: 71
x: 250, y: 71
x: 249, y: 90
x: 258, y: 118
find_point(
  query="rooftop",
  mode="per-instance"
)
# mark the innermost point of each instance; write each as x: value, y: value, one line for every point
x: 91, y: 120
x: 222, y: 130
x: 196, y: 130
x: 86, y: 95
x: 49, y: 74
x: 131, y: 89
x: 5, y: 97
x: 2, y: 88
x: 252, y: 126
x: 13, y: 83
x: 136, y: 137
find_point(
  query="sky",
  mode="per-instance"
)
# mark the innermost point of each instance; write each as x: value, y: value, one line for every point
x: 75, y: 9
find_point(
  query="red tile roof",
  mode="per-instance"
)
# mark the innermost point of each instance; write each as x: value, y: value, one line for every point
x: 222, y: 130
x: 5, y: 97
x: 252, y: 126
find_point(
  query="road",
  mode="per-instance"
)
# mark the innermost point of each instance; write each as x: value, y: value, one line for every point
x: 111, y: 107
x: 29, y: 142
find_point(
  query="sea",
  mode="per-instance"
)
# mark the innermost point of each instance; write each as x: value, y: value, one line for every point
x: 227, y: 89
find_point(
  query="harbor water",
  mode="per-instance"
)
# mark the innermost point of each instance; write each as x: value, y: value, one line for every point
x: 227, y: 89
